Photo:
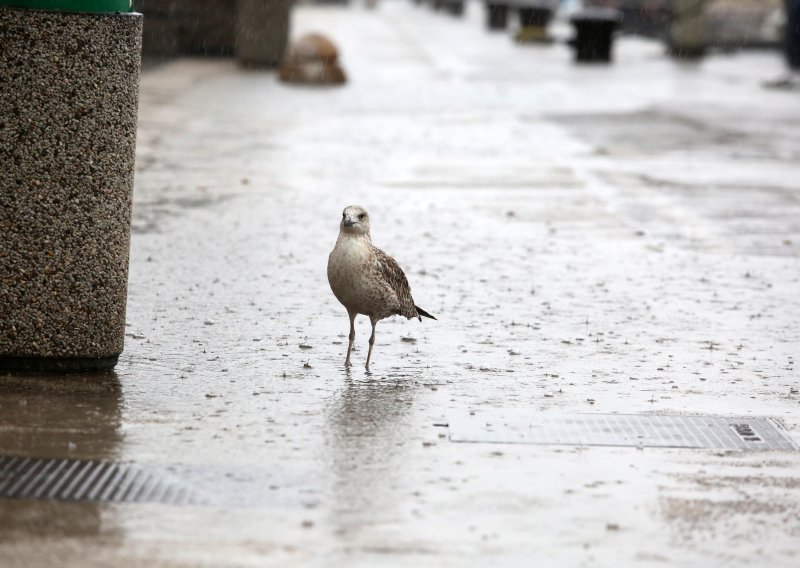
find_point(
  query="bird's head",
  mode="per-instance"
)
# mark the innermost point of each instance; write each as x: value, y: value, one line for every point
x: 355, y: 220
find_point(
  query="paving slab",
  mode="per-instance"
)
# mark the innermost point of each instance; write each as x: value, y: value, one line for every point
x: 617, y: 239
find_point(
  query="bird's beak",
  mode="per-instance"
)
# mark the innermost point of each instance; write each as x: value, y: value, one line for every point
x: 349, y: 222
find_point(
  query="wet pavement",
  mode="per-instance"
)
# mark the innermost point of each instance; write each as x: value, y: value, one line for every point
x: 592, y: 239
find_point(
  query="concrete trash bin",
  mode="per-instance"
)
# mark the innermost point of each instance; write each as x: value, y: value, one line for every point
x: 594, y: 34
x: 188, y: 27
x: 262, y: 31
x: 68, y: 105
x: 688, y: 34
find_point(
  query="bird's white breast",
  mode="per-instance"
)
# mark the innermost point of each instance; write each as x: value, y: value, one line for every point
x: 347, y: 265
x: 349, y: 253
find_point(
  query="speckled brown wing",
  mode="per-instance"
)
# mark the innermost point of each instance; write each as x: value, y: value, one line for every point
x: 393, y: 275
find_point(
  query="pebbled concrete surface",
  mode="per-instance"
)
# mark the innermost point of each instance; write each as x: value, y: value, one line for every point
x: 67, y: 146
x: 610, y: 239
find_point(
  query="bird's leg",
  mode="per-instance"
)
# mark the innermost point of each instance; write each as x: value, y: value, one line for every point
x: 352, y: 315
x: 371, y: 340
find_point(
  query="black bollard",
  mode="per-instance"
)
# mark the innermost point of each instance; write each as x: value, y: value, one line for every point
x: 496, y: 16
x: 455, y: 7
x: 533, y: 19
x: 594, y: 34
x: 792, y: 45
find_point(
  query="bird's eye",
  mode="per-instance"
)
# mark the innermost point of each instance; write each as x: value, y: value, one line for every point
x: 361, y: 217
x: 342, y: 215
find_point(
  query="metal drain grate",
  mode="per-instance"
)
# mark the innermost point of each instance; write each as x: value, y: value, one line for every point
x: 97, y: 481
x: 533, y: 427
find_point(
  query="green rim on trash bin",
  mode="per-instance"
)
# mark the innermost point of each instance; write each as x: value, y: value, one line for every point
x: 84, y: 6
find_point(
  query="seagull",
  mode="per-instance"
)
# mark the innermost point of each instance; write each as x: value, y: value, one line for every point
x: 365, y: 279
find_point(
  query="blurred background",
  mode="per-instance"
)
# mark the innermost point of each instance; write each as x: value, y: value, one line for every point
x: 599, y: 201
x: 207, y: 26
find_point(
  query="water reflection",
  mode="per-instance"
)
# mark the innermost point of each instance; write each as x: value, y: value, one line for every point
x: 368, y: 429
x: 72, y: 416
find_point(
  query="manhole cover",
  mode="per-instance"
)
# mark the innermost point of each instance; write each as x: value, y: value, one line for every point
x: 519, y: 426
x: 86, y: 480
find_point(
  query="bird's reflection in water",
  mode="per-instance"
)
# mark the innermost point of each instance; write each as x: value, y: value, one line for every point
x: 368, y: 429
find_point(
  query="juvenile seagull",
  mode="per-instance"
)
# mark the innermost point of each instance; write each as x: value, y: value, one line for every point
x: 365, y: 279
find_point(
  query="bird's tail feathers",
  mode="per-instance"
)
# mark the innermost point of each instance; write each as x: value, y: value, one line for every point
x: 422, y: 312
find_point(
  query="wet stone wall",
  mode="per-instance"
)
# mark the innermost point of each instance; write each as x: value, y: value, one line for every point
x: 68, y: 105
